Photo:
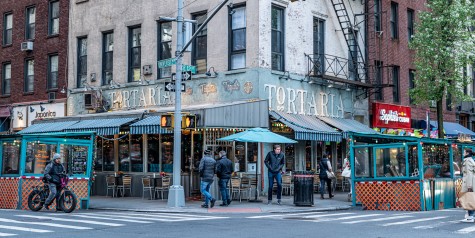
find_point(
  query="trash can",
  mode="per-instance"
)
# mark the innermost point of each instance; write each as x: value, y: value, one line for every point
x: 303, y: 188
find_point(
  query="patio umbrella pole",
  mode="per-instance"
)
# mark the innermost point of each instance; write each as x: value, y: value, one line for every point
x: 257, y: 178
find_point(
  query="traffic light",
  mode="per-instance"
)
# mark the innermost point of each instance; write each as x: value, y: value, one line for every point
x: 188, y: 122
x: 166, y: 121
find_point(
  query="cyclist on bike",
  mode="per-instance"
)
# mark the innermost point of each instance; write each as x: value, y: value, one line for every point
x: 53, y: 174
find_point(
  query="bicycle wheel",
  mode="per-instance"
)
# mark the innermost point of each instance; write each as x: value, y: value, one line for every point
x: 35, y: 202
x: 68, y: 201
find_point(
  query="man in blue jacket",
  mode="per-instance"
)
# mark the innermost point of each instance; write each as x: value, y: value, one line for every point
x: 207, y: 169
x: 275, y: 162
x: 224, y: 170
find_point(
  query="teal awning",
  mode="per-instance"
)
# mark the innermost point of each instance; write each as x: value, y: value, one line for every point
x: 348, y: 125
x: 149, y: 125
x: 109, y: 126
x: 258, y: 135
x: 47, y: 127
x: 307, y: 127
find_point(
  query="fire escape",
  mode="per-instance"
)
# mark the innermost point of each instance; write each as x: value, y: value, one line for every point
x: 355, y: 70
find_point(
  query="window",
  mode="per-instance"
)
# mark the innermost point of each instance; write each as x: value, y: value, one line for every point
x: 107, y: 57
x: 353, y: 56
x: 53, y: 26
x: 136, y: 158
x: 37, y: 156
x: 135, y: 54
x: 29, y: 75
x: 378, y: 95
x: 11, y: 157
x: 104, y: 155
x: 82, y: 61
x: 411, y: 84
x: 396, y: 97
x: 410, y: 23
x: 277, y: 25
x: 448, y: 102
x: 124, y: 157
x: 7, y: 29
x: 6, y: 78
x: 165, y: 48
x: 153, y: 153
x: 319, y: 45
x: 52, y: 71
x: 377, y: 16
x: 391, y: 162
x: 200, y: 44
x: 30, y: 23
x: 238, y: 38
x: 394, y: 20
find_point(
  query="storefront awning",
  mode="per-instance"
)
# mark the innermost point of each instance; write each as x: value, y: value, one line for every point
x: 110, y: 126
x: 307, y: 127
x: 348, y: 125
x: 453, y: 129
x: 149, y: 125
x: 4, y: 112
x: 47, y: 127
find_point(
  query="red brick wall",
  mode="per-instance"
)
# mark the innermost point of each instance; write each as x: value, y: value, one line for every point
x: 43, y: 46
x: 396, y: 52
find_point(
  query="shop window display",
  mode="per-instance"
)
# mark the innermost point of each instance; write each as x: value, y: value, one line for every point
x: 363, y: 158
x: 37, y: 156
x: 239, y: 157
x: 252, y: 157
x: 124, y: 156
x: 308, y: 156
x: 11, y: 158
x: 104, y: 155
x: 391, y: 162
x: 153, y: 161
x: 289, y: 157
x: 74, y: 158
x: 436, y: 160
x: 457, y: 160
x: 136, y: 158
x: 167, y: 153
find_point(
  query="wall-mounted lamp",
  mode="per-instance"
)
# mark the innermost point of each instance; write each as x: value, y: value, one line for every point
x: 348, y: 88
x: 63, y: 90
x: 208, y: 73
x: 330, y: 84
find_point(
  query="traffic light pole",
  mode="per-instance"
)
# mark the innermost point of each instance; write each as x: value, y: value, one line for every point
x: 176, y: 196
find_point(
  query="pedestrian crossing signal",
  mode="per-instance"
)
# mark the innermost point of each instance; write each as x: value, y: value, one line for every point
x: 189, y: 122
x: 166, y: 121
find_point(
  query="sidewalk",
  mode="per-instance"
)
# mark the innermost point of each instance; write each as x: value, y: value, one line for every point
x: 339, y: 202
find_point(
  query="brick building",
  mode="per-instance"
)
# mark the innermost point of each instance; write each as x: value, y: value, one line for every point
x: 33, y: 66
x: 390, y: 26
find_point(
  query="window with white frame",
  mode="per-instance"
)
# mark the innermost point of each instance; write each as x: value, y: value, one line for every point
x: 165, y: 47
x: 278, y: 34
x: 53, y: 26
x: 238, y: 38
x: 107, y: 58
x: 135, y: 53
x: 199, y: 51
x: 7, y: 28
x: 29, y: 75
x: 52, y: 71
x: 82, y: 61
x: 30, y: 26
x: 6, y: 78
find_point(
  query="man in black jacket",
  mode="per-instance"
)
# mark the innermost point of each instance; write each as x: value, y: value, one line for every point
x: 53, y: 173
x: 207, y: 169
x: 275, y: 162
x: 224, y: 170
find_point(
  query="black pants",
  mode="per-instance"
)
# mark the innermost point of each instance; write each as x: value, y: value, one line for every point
x: 322, y: 186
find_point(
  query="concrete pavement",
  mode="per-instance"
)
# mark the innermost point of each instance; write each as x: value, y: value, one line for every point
x: 339, y: 202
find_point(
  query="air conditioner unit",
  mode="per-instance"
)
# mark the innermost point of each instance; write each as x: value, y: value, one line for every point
x: 51, y: 96
x: 27, y: 46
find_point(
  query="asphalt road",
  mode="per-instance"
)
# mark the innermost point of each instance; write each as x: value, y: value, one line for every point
x: 348, y: 223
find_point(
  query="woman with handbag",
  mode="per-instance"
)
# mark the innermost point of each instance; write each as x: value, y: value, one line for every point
x: 468, y: 180
x: 326, y: 175
x: 346, y: 173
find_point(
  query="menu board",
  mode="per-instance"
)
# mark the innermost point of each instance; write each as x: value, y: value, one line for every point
x: 79, y: 160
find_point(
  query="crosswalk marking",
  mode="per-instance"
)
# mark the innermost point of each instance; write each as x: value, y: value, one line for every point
x: 466, y: 230
x: 112, y: 219
x: 71, y: 220
x: 281, y: 215
x: 179, y: 215
x: 349, y: 217
x: 6, y: 234
x: 45, y: 224
x: 19, y: 228
x: 164, y: 217
x: 377, y: 219
x: 413, y: 221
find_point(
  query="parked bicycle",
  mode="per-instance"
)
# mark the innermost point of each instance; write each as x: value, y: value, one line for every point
x: 67, y: 200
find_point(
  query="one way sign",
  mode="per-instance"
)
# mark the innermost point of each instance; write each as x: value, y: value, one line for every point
x: 186, y: 76
x: 170, y: 87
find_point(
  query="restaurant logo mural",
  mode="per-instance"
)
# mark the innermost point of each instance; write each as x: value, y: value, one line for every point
x: 391, y: 116
x: 231, y: 86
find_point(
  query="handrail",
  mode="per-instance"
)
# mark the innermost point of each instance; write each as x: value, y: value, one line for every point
x: 330, y: 65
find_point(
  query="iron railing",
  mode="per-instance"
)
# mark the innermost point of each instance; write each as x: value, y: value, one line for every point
x: 321, y: 65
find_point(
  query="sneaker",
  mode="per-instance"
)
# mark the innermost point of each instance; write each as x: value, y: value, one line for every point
x: 468, y: 220
x: 278, y: 202
x: 212, y: 202
x: 204, y: 206
x: 269, y: 202
x: 229, y: 201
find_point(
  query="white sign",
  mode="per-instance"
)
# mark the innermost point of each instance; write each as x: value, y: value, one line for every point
x: 19, y: 117
x: 251, y: 167
x: 43, y: 111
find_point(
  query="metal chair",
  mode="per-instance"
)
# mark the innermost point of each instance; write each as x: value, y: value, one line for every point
x: 147, y: 185
x: 287, y: 185
x: 126, y: 185
x: 111, y: 185
x: 164, y: 187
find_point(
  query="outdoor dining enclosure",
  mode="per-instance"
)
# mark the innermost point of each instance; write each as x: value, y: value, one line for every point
x: 405, y: 173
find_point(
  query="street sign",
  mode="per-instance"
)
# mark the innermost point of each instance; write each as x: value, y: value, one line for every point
x: 166, y: 63
x: 170, y: 87
x: 186, y: 75
x: 191, y: 68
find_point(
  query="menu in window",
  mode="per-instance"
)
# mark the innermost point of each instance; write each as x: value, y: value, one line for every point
x: 79, y: 160
x: 41, y: 158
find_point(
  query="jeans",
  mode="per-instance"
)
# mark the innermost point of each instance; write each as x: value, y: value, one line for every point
x: 322, y: 186
x: 278, y: 177
x: 471, y: 213
x: 53, y: 193
x: 205, y: 186
x: 223, y: 183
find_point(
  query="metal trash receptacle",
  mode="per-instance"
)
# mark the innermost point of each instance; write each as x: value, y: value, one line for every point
x: 303, y: 188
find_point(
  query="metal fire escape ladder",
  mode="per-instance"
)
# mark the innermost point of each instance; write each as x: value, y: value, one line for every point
x: 349, y: 34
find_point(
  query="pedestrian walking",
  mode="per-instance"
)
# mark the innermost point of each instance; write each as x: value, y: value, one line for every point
x: 325, y: 166
x: 207, y: 168
x: 468, y: 179
x: 224, y: 170
x: 274, y: 162
x: 346, y: 173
